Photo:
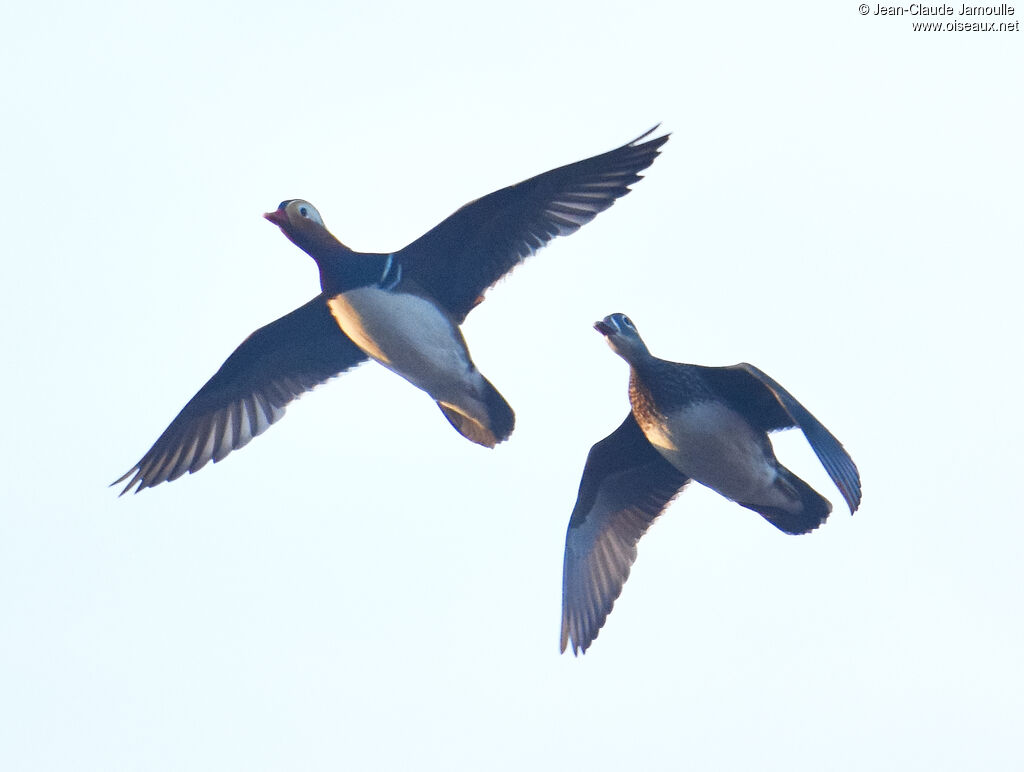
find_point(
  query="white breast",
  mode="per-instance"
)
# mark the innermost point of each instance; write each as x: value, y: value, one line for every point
x: 408, y: 335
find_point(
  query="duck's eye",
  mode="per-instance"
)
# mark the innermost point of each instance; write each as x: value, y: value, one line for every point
x: 305, y: 210
x: 626, y: 321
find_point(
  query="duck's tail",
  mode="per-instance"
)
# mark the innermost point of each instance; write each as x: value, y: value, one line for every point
x: 487, y: 422
x: 808, y: 510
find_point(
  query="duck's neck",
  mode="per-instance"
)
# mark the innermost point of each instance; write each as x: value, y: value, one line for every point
x: 640, y: 361
x: 341, y: 269
x: 344, y: 270
x: 315, y: 241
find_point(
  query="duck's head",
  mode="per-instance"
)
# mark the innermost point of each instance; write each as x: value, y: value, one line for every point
x: 623, y: 337
x: 301, y: 222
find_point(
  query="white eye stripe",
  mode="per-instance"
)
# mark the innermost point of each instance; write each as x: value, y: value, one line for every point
x: 621, y: 322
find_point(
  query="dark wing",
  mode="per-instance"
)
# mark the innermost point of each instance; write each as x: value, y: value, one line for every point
x: 273, y: 366
x: 626, y: 484
x: 768, y: 406
x: 468, y: 252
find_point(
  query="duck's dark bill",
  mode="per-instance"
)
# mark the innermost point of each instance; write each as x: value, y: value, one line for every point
x: 604, y: 328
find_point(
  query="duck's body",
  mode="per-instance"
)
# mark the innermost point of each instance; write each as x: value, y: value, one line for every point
x: 686, y: 422
x: 410, y: 335
x: 707, y: 439
x: 712, y: 444
x: 402, y: 309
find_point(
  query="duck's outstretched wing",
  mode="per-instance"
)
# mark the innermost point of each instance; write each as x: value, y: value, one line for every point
x: 767, y: 405
x: 626, y: 484
x: 457, y: 260
x: 249, y: 392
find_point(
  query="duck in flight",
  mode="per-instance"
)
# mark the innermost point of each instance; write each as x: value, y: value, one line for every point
x: 687, y: 422
x: 402, y: 309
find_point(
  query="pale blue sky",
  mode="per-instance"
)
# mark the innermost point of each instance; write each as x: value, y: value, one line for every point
x: 361, y: 588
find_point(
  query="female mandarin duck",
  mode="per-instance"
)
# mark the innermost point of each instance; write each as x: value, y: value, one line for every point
x: 402, y: 309
x: 688, y: 422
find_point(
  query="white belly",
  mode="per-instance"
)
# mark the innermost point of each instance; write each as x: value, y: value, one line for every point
x: 410, y: 336
x: 714, y: 446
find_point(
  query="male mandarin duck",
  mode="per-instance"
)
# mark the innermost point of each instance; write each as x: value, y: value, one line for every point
x: 687, y: 422
x: 402, y: 309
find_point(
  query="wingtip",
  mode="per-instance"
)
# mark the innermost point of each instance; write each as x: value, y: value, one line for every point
x: 120, y: 480
x: 847, y: 481
x: 570, y: 641
x: 852, y: 498
x: 567, y: 638
x: 662, y: 139
x: 131, y: 483
x: 576, y: 650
